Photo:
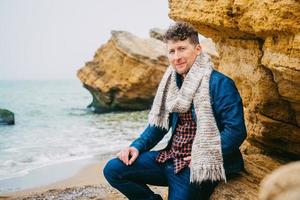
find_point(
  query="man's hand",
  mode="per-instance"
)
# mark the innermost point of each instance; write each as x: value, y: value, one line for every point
x: 189, y: 158
x: 128, y: 155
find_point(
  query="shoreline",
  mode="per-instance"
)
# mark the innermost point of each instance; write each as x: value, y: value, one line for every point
x: 89, y: 172
x: 84, y: 178
x: 87, y: 184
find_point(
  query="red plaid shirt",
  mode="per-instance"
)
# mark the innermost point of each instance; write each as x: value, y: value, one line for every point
x: 181, y: 145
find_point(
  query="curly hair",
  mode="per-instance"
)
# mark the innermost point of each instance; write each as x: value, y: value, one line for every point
x: 181, y: 31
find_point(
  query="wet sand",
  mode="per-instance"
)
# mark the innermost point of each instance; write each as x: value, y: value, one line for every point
x: 88, y: 183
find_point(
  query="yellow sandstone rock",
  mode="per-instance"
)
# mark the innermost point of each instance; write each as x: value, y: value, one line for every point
x: 282, y: 184
x: 258, y: 42
x: 239, y: 18
x: 259, y: 47
x: 125, y: 72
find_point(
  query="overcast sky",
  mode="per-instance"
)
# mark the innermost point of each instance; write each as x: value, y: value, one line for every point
x: 52, y: 39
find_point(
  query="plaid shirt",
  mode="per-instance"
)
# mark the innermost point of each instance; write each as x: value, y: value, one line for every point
x: 181, y: 145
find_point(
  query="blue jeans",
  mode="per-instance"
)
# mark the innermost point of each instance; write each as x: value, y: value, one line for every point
x: 131, y: 180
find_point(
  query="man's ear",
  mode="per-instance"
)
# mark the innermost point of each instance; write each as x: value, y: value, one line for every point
x: 198, y: 49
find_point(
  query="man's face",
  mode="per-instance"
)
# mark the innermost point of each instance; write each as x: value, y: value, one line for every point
x: 182, y: 55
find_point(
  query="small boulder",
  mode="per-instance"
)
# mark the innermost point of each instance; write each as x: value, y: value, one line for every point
x: 283, y: 183
x: 6, y: 117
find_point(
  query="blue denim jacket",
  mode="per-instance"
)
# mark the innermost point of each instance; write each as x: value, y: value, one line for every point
x: 228, y: 111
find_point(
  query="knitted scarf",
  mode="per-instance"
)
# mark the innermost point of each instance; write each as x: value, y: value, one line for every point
x: 207, y: 160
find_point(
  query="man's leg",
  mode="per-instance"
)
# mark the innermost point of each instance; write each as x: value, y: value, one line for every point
x: 180, y: 187
x: 131, y: 180
x: 179, y: 184
x: 204, y: 190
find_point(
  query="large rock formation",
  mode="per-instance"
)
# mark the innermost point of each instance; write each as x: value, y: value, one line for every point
x: 259, y: 47
x: 6, y: 117
x: 125, y: 72
x: 245, y: 186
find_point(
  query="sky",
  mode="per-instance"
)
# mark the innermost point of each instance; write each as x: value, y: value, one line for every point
x: 52, y: 39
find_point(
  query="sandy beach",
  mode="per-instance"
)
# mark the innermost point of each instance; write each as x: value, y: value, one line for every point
x: 89, y: 175
x: 88, y: 183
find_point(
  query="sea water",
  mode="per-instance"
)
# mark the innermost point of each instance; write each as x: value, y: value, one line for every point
x: 52, y: 125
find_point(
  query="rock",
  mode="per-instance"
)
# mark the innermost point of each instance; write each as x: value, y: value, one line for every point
x: 282, y: 184
x: 282, y: 57
x: 271, y: 120
x: 124, y: 73
x: 157, y: 33
x: 250, y: 19
x: 6, y: 117
x: 263, y: 58
x: 246, y: 185
x: 258, y: 43
x: 209, y: 47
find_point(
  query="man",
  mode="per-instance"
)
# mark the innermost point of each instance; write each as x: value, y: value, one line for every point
x: 205, y: 113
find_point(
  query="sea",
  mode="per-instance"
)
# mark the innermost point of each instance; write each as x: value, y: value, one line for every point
x: 53, y: 125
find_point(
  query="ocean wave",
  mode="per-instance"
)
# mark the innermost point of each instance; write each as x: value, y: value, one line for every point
x: 54, y: 126
x: 78, y: 111
x: 12, y: 169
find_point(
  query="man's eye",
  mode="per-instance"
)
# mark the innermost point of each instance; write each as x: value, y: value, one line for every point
x: 171, y: 52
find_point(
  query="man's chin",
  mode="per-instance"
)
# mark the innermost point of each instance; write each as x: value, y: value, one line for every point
x: 180, y: 72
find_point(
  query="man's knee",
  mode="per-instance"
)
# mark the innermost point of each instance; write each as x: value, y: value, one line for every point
x: 112, y: 169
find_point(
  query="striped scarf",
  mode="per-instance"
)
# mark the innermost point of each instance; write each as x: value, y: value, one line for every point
x: 207, y: 160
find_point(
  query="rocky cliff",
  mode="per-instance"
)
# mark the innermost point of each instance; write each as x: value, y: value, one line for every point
x: 259, y: 47
x: 125, y: 72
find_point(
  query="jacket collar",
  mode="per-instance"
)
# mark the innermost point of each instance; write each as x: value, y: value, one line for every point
x: 178, y: 80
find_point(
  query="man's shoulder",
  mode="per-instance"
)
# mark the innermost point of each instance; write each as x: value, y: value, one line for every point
x: 217, y: 76
x: 220, y: 84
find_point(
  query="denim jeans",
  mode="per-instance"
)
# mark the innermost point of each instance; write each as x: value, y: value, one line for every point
x: 131, y: 180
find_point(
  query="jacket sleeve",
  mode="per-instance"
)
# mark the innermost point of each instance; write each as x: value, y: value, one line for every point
x: 149, y: 138
x: 228, y: 108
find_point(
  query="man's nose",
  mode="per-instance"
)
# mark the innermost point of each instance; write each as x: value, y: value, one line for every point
x: 177, y: 55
